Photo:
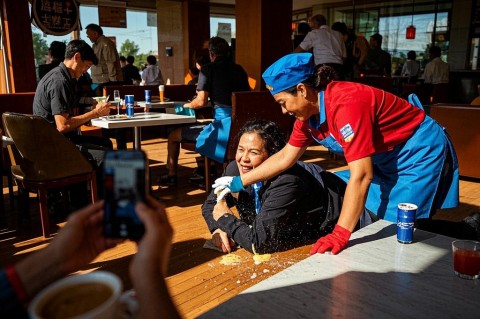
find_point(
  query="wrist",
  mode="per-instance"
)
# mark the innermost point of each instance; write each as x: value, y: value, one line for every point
x: 342, y: 232
x: 16, y: 283
x: 237, y: 185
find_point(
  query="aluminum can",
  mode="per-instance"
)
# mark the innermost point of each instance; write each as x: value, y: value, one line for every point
x: 405, y: 222
x: 148, y: 97
x: 129, y: 103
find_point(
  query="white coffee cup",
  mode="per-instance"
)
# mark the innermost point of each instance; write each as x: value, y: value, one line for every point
x: 89, y: 296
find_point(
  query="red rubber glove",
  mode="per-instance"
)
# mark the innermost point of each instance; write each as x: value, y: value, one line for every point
x: 334, y: 242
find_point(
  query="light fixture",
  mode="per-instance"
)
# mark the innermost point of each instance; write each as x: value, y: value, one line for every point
x: 410, y: 34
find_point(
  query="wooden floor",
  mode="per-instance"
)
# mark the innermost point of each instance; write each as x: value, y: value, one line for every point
x: 197, y: 279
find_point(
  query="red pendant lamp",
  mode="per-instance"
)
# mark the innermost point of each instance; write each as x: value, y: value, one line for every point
x: 410, y: 34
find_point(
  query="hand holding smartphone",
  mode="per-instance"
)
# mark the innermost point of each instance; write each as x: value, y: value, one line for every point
x: 125, y: 183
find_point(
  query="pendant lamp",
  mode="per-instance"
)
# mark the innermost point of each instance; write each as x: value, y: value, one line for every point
x: 410, y: 34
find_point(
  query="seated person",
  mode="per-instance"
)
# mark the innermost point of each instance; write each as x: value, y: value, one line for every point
x: 79, y: 243
x: 57, y: 96
x: 411, y: 68
x: 152, y: 74
x: 292, y: 208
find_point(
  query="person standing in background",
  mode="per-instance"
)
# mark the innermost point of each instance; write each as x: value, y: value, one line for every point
x: 327, y: 44
x: 108, y: 69
x: 56, y: 53
x: 123, y: 61
x: 302, y: 30
x: 378, y: 62
x: 152, y: 74
x: 411, y: 68
x: 131, y: 74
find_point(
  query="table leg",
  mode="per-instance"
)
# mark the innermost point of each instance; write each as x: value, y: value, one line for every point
x: 137, y: 135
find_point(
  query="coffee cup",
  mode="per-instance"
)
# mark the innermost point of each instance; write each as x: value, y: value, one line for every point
x: 89, y: 296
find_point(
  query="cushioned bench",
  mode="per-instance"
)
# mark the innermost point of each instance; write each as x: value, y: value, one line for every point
x: 462, y: 124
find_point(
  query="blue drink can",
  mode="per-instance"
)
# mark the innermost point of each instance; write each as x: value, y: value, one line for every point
x: 129, y: 103
x: 148, y: 97
x: 405, y: 222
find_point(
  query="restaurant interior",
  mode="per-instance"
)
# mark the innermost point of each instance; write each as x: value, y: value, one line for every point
x: 260, y: 32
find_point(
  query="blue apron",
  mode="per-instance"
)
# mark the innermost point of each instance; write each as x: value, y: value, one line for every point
x: 423, y: 171
x: 329, y: 142
x: 213, y: 139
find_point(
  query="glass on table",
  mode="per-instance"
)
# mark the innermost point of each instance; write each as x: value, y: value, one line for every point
x: 466, y: 258
x: 117, y: 99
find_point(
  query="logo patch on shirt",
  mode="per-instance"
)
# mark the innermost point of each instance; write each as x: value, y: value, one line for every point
x: 347, y: 132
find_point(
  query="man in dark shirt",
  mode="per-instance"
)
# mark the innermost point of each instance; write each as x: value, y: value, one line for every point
x: 56, y: 96
x: 378, y: 61
x: 131, y: 72
x: 217, y: 81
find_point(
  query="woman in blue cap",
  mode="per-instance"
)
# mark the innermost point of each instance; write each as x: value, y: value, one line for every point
x: 395, y: 153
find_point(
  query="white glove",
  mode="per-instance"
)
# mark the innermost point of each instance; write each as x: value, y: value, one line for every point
x: 222, y: 181
x: 221, y: 192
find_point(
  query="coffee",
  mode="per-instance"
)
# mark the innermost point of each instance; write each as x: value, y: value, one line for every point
x: 75, y: 300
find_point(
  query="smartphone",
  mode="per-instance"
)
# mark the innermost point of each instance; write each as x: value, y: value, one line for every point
x: 125, y: 180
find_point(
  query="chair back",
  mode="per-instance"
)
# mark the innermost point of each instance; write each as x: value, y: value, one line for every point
x: 247, y: 106
x: 17, y: 102
x: 45, y: 153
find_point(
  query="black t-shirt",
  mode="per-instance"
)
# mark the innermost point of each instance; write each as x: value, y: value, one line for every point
x: 220, y: 78
x: 130, y: 73
x: 55, y: 94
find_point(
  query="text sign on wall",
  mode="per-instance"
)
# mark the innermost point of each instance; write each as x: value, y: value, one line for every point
x: 114, y: 17
x: 55, y: 17
x: 225, y: 31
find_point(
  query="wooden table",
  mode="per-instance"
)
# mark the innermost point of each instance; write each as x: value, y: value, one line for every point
x: 143, y: 119
x: 374, y: 277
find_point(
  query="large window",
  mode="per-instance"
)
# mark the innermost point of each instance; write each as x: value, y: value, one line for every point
x: 138, y: 39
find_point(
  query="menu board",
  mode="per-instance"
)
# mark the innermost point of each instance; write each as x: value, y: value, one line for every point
x: 55, y: 17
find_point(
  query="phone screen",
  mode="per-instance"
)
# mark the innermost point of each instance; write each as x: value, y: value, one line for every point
x: 125, y: 183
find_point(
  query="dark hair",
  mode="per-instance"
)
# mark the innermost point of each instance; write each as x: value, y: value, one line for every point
x: 122, y: 58
x: 271, y: 134
x: 130, y: 59
x: 202, y: 60
x: 151, y: 60
x: 218, y: 46
x: 412, y: 55
x: 340, y: 27
x: 80, y: 46
x: 95, y: 27
x: 319, y: 19
x: 377, y: 37
x: 435, y: 51
x: 57, y: 50
x: 323, y: 75
x: 303, y: 28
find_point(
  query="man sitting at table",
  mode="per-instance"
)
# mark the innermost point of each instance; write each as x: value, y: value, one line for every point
x: 298, y: 205
x: 56, y: 97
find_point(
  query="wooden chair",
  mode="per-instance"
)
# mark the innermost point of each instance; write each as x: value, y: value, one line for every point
x: 47, y: 160
x: 247, y: 106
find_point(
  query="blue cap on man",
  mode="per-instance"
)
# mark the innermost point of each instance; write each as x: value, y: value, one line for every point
x: 288, y: 71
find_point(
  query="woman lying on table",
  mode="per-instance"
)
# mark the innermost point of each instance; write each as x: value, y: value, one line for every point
x: 287, y: 210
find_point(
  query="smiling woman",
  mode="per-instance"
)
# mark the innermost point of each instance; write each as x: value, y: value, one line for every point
x: 276, y: 214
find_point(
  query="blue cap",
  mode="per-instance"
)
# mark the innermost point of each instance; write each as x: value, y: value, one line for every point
x: 288, y: 71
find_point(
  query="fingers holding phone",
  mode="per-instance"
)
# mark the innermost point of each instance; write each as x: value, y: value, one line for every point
x: 125, y: 184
